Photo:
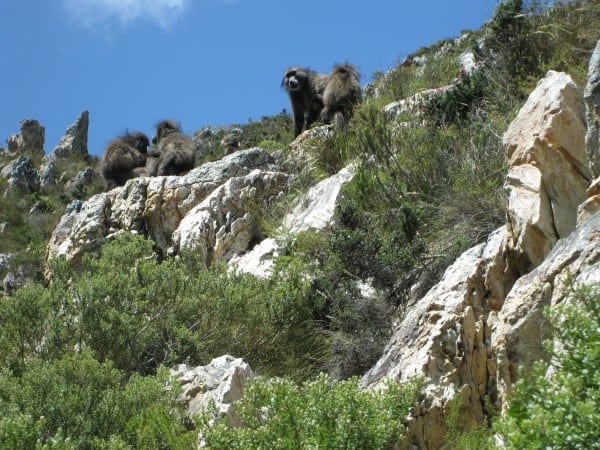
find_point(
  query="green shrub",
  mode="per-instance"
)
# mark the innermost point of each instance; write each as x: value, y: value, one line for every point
x: 317, y: 414
x: 139, y: 313
x: 78, y: 403
x: 455, y: 104
x: 561, y: 410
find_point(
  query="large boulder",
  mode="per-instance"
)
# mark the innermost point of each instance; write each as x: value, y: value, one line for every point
x: 22, y: 176
x: 30, y: 139
x: 157, y: 207
x: 313, y: 211
x: 218, y: 384
x: 592, y: 103
x: 75, y: 140
x: 548, y: 167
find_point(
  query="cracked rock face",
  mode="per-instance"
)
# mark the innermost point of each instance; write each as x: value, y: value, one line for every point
x: 548, y: 167
x: 208, y: 208
x: 592, y: 112
x: 469, y: 336
x: 75, y: 140
x: 313, y: 211
x: 30, y: 138
x: 222, y: 382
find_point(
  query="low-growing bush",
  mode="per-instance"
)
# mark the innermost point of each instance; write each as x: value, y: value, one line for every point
x: 560, y: 408
x: 76, y: 402
x: 129, y: 308
x: 320, y: 413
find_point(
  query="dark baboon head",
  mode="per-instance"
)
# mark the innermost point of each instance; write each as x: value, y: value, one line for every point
x: 177, y: 151
x: 341, y: 94
x: 164, y: 128
x: 138, y: 141
x: 305, y: 88
x: 123, y: 157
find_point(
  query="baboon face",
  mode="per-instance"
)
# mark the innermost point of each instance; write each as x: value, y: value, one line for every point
x: 294, y: 79
x: 165, y: 128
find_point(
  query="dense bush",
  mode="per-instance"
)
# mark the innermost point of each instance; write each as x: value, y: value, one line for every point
x: 76, y: 402
x: 318, y: 414
x: 560, y: 408
x: 139, y: 313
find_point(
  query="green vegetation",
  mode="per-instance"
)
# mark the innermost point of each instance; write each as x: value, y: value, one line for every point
x: 320, y: 413
x: 561, y: 411
x: 83, y: 356
x: 129, y: 308
x: 76, y: 402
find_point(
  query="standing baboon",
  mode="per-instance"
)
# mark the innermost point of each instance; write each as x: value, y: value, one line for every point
x: 305, y: 88
x: 341, y: 94
x: 123, y: 157
x: 177, y: 152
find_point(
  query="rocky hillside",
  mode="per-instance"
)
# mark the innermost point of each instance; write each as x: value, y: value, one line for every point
x: 424, y: 242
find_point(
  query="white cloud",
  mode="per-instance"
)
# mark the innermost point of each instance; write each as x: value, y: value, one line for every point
x: 90, y: 13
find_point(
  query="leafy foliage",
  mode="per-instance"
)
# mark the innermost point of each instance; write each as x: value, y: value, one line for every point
x: 317, y: 414
x: 562, y: 410
x: 139, y: 313
x: 76, y: 402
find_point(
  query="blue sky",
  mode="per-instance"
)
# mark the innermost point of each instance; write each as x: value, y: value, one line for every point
x: 131, y: 63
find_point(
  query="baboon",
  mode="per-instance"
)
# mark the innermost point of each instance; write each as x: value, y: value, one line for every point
x: 305, y: 88
x: 177, y: 152
x: 123, y: 157
x: 341, y: 94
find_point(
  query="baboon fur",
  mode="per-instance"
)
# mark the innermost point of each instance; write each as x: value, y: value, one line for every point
x: 305, y: 88
x: 341, y: 94
x: 124, y: 157
x: 177, y: 152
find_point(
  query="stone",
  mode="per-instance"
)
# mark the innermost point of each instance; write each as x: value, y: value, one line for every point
x: 10, y: 283
x: 48, y: 176
x: 5, y: 260
x: 82, y: 180
x: 592, y: 204
x: 443, y: 339
x: 30, y: 138
x: 74, y: 142
x: 156, y: 206
x: 222, y: 382
x: 232, y: 140
x: 222, y: 224
x: 411, y: 108
x: 22, y: 176
x: 313, y: 211
x: 518, y: 331
x: 548, y: 167
x: 592, y: 113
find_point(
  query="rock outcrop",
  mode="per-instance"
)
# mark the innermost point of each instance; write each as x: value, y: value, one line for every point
x: 21, y: 175
x: 29, y: 140
x: 592, y: 103
x: 313, y: 211
x: 221, y: 383
x: 472, y: 332
x: 209, y: 208
x: 74, y: 142
x: 548, y: 167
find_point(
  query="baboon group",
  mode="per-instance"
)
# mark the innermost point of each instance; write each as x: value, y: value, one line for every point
x: 127, y: 156
x: 315, y: 97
